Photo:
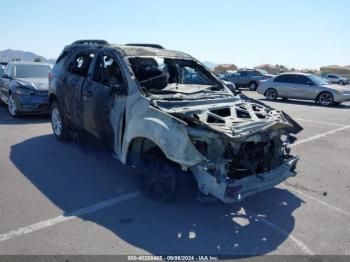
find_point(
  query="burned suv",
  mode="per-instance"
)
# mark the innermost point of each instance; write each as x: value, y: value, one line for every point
x: 139, y: 100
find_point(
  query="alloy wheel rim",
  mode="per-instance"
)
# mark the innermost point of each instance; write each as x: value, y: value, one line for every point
x: 271, y: 94
x: 56, y: 122
x: 326, y: 99
x: 252, y: 86
x: 12, y: 106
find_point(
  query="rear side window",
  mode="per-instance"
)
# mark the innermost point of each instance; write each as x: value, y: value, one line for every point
x: 301, y: 80
x: 62, y: 55
x: 284, y: 79
x: 81, y: 63
x: 244, y: 73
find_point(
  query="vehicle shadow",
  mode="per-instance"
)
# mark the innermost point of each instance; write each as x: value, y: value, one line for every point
x: 73, y: 178
x: 7, y: 119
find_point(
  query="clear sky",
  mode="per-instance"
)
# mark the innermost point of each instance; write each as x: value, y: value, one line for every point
x: 296, y: 33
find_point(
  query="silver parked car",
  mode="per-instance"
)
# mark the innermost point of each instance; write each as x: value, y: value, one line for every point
x: 336, y: 79
x: 304, y: 86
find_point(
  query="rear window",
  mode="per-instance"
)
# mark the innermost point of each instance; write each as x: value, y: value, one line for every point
x: 284, y: 79
x: 31, y: 71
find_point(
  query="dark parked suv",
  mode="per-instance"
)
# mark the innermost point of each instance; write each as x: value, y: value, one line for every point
x: 140, y: 100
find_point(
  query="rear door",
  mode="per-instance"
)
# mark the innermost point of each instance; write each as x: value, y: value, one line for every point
x: 242, y: 79
x: 78, y: 69
x: 100, y: 99
x: 284, y: 85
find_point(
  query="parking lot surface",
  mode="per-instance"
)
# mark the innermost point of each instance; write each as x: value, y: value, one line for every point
x: 59, y: 198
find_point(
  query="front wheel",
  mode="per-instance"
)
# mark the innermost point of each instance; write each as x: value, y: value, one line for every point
x: 271, y: 94
x: 158, y: 178
x: 325, y: 99
x: 12, y: 106
x: 57, y: 122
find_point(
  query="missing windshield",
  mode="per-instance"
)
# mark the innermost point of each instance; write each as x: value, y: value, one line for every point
x: 166, y: 76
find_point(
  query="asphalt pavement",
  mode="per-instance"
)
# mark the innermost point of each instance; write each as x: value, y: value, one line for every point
x: 59, y: 198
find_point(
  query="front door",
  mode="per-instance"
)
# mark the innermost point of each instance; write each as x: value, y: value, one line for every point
x: 100, y: 100
x: 304, y: 87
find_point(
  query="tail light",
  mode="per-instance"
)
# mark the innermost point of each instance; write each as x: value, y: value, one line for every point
x: 50, y: 75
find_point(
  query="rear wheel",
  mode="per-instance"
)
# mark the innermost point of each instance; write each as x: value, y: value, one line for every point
x: 271, y: 94
x: 325, y: 99
x: 12, y: 106
x: 158, y: 178
x: 58, y: 123
x: 253, y: 86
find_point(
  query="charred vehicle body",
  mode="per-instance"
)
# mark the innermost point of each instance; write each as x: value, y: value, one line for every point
x: 141, y: 100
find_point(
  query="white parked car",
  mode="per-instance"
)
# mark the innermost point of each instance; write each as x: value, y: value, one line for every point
x: 304, y: 86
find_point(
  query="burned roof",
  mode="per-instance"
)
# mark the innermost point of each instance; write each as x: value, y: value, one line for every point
x: 131, y: 50
x: 149, y: 51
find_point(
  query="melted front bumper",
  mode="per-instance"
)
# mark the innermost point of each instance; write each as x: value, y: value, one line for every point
x: 230, y: 191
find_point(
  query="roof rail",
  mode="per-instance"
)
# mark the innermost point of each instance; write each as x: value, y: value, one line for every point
x: 90, y: 42
x: 147, y: 45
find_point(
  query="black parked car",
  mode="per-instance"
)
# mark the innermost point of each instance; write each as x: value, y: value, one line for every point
x: 24, y: 87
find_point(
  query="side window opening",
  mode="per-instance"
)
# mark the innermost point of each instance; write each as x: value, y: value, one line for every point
x: 81, y: 63
x: 108, y: 71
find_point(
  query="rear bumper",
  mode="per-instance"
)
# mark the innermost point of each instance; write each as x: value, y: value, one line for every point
x: 36, y: 104
x: 231, y: 191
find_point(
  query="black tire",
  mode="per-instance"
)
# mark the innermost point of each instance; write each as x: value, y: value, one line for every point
x: 271, y: 94
x: 253, y: 86
x: 58, y: 123
x: 341, y: 82
x: 325, y: 99
x: 158, y: 178
x: 12, y: 106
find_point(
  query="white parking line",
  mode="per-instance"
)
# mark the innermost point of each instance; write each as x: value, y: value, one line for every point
x: 68, y: 216
x: 298, y: 242
x: 318, y: 122
x: 320, y: 135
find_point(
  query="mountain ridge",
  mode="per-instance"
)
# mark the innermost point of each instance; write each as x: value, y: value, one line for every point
x: 8, y: 55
